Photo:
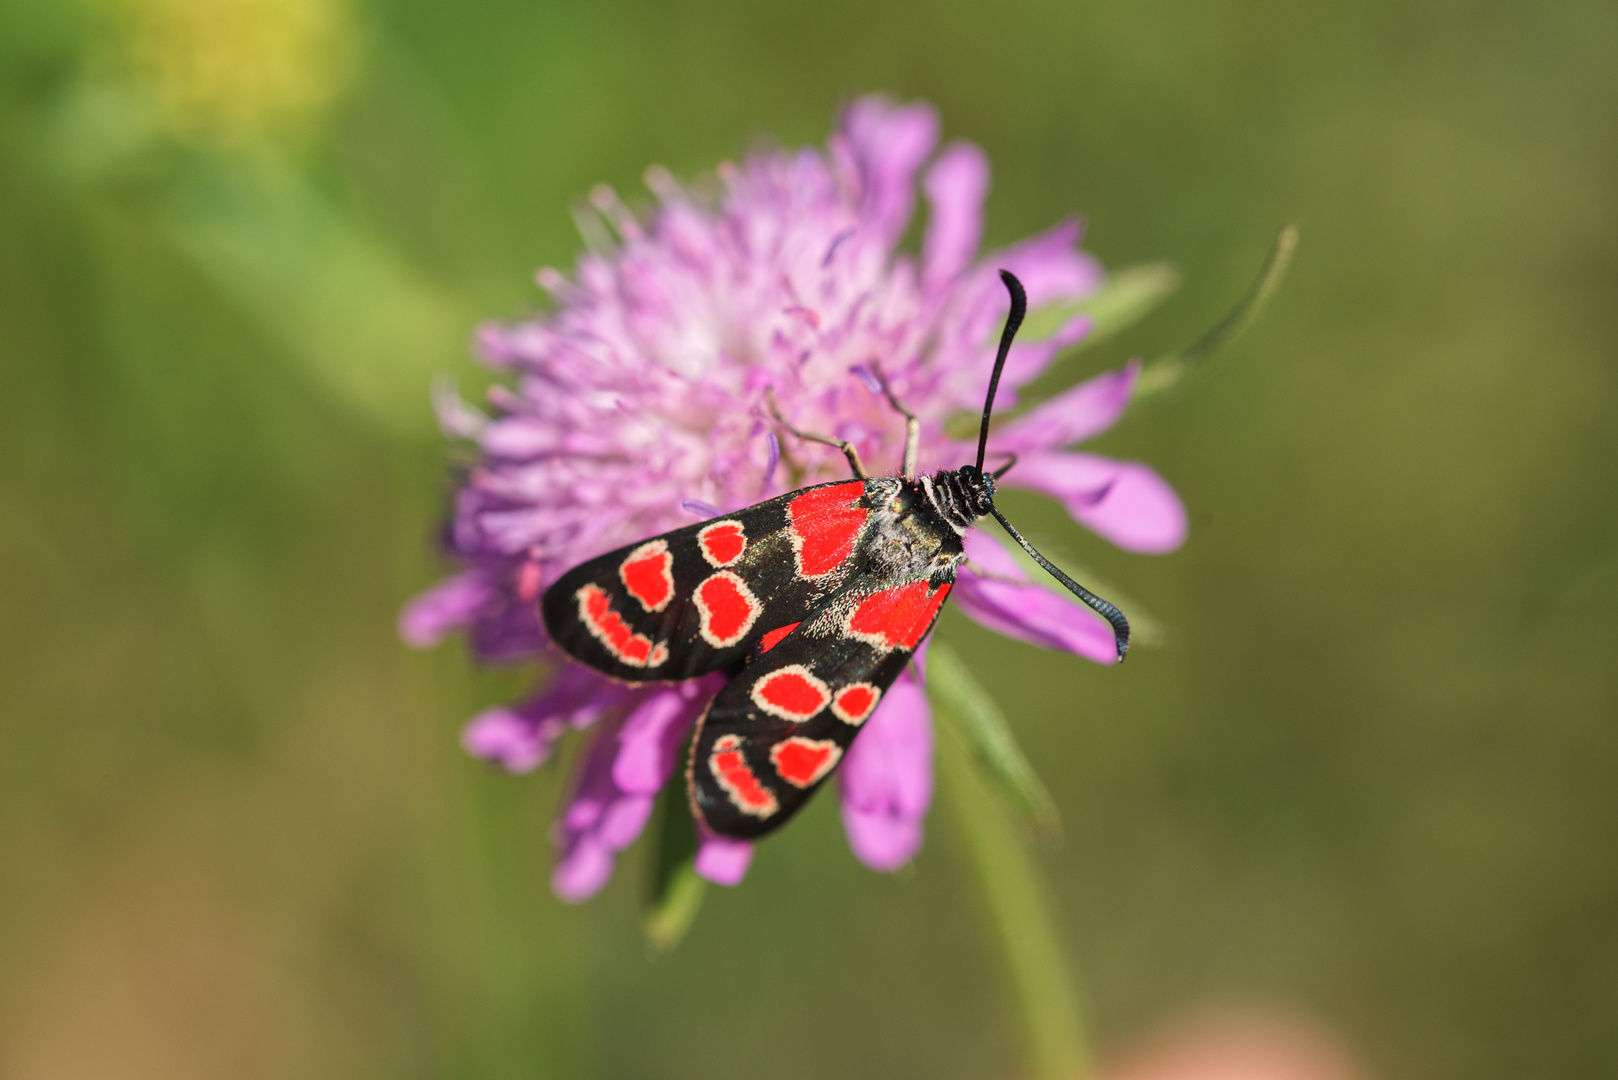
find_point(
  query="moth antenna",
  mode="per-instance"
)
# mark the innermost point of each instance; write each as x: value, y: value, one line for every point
x: 1108, y: 611
x: 1019, y: 308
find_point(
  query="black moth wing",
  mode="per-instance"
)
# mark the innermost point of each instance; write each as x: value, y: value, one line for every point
x: 758, y: 755
x: 699, y: 599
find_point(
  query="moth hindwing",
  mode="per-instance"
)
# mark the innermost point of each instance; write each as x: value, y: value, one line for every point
x: 777, y: 730
x: 813, y: 600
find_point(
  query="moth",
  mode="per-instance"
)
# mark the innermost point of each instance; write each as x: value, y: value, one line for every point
x: 813, y: 602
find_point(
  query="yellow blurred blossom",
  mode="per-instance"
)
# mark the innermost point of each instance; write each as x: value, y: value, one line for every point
x: 240, y: 68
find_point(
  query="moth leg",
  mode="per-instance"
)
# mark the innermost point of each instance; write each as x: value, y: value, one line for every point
x: 845, y: 446
x: 912, y: 425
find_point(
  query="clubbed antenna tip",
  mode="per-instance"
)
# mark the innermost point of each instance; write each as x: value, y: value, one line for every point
x: 1104, y: 608
x: 1019, y: 308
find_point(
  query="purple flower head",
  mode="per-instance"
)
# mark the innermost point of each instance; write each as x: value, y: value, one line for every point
x: 640, y: 404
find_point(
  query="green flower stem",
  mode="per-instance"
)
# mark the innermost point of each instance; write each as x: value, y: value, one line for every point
x: 1047, y: 1005
x: 674, y: 891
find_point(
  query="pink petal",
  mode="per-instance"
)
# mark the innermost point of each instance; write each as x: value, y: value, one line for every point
x: 649, y: 743
x: 1239, y: 1046
x: 1028, y: 360
x: 509, y: 740
x: 521, y: 738
x: 1074, y: 415
x: 1051, y: 271
x: 582, y: 871
x: 880, y: 839
x: 450, y: 604
x: 1024, y: 610
x: 985, y: 553
x: 955, y: 186
x: 508, y: 629
x: 1124, y: 501
x: 600, y: 819
x: 622, y: 820
x: 519, y: 437
x: 887, y: 779
x: 889, y: 144
x: 1050, y: 266
x: 723, y: 860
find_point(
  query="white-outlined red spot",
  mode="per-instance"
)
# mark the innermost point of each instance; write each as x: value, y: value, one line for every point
x: 728, y: 609
x: 722, y: 543
x: 615, y: 635
x: 730, y: 768
x: 791, y: 693
x: 648, y: 575
x: 802, y: 762
x: 854, y: 702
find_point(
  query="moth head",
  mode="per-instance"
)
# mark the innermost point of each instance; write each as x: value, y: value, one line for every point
x: 978, y: 487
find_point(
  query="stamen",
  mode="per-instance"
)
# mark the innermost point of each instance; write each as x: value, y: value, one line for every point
x: 614, y: 212
x: 866, y: 376
x: 660, y: 182
x: 773, y: 442
x: 528, y: 579
x: 837, y: 242
x: 455, y: 416
x: 593, y: 230
x: 805, y: 314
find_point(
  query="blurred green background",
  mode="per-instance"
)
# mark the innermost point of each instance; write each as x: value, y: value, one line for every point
x: 1371, y: 775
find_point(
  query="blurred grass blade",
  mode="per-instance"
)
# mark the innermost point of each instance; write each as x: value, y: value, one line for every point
x: 1168, y: 372
x: 969, y: 711
x: 368, y: 327
x: 675, y: 893
x: 1126, y: 297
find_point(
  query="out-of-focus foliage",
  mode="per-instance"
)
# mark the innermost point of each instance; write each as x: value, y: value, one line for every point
x: 1369, y: 772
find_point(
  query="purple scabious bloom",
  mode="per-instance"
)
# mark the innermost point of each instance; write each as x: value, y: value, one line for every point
x: 640, y: 404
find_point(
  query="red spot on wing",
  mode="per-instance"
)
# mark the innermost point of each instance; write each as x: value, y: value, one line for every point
x: 854, y: 703
x: 728, y: 609
x: 801, y: 761
x: 730, y: 768
x: 722, y: 543
x: 609, y: 628
x: 648, y: 574
x: 791, y: 693
x: 825, y: 523
x: 896, y: 618
x: 773, y: 638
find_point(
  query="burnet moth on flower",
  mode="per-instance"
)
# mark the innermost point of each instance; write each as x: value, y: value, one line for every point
x: 813, y: 601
